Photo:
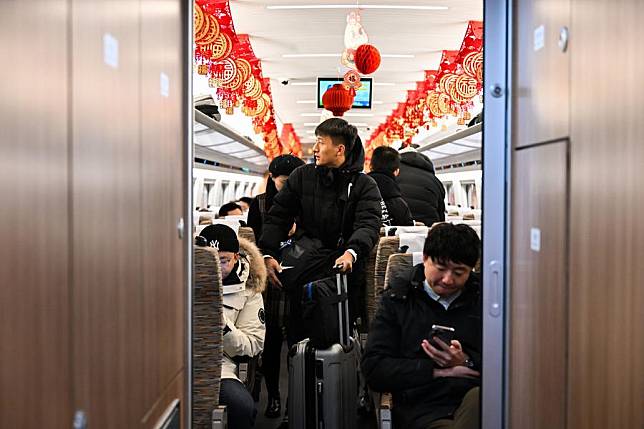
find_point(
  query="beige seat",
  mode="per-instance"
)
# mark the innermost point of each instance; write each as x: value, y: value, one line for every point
x: 397, y: 263
x: 247, y: 233
x: 386, y: 247
x: 207, y: 340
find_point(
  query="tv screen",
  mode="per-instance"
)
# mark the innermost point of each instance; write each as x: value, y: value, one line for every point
x: 362, y: 99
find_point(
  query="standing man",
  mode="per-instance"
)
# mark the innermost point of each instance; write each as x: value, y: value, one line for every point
x: 421, y: 189
x: 385, y: 166
x: 337, y: 209
x: 433, y: 372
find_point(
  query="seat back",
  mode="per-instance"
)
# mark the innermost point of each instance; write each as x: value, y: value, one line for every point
x: 398, y: 263
x: 386, y: 246
x: 207, y: 336
x: 247, y: 233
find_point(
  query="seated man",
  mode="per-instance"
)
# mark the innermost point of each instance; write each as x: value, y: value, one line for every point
x: 434, y: 383
x: 244, y: 278
x: 230, y: 209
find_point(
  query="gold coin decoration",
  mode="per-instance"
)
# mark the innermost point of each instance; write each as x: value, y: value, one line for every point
x: 221, y: 47
x: 198, y: 18
x: 465, y: 87
x: 202, y: 69
x: 243, y: 67
x: 444, y: 104
x: 226, y: 72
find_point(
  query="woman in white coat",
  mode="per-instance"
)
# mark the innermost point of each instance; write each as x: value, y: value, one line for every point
x: 244, y: 278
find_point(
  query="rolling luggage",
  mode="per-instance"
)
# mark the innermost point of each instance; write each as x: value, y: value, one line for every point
x: 322, y: 386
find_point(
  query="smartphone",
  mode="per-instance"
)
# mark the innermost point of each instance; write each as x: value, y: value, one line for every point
x: 445, y: 333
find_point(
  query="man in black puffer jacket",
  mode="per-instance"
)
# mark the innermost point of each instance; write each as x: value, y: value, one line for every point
x: 421, y: 189
x: 385, y: 166
x: 337, y: 209
x: 434, y: 384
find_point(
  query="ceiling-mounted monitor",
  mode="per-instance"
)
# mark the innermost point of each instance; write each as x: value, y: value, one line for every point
x: 362, y: 99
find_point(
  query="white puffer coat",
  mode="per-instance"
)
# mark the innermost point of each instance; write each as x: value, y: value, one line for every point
x: 244, y: 310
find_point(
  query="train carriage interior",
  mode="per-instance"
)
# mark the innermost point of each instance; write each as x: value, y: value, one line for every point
x: 466, y: 175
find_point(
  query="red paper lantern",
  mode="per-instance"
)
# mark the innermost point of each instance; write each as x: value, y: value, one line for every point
x: 367, y: 59
x: 337, y: 99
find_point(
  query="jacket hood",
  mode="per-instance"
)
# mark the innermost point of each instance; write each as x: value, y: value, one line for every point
x: 417, y: 160
x: 257, y: 274
x: 386, y: 184
x: 355, y: 159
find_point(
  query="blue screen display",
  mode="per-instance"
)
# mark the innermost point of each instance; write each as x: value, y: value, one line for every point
x: 362, y: 99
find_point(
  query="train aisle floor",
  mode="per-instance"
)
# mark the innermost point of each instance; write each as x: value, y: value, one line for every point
x: 262, y: 422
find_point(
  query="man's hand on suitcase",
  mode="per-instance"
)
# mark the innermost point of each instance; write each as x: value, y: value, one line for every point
x: 273, y: 268
x: 345, y: 262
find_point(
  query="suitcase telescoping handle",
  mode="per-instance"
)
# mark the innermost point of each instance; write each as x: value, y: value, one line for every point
x: 343, y: 313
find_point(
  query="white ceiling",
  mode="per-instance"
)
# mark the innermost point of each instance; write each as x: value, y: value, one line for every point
x: 422, y: 33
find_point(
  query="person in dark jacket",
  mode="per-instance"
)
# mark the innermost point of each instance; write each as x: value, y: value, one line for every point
x: 434, y: 383
x: 338, y: 220
x: 280, y: 168
x: 421, y: 189
x: 385, y: 166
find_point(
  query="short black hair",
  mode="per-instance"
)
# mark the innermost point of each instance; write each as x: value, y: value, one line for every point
x: 247, y: 200
x: 456, y: 243
x: 340, y: 131
x: 227, y: 208
x: 385, y: 158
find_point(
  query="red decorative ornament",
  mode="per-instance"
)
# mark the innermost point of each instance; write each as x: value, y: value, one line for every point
x: 367, y: 59
x: 337, y: 99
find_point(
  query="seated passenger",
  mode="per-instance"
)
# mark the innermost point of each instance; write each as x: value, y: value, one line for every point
x: 230, y: 209
x: 434, y: 384
x: 244, y: 203
x: 244, y: 278
x: 385, y: 166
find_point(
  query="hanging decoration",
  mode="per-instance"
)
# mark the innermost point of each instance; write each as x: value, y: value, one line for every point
x: 233, y: 70
x: 367, y: 58
x: 291, y: 141
x: 354, y: 36
x: 447, y: 91
x: 352, y: 80
x: 338, y: 99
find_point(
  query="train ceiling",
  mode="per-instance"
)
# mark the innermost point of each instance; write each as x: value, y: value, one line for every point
x: 280, y: 38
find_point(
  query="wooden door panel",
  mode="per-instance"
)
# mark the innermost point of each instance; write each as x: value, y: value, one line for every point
x: 163, y: 179
x: 538, y: 292
x: 34, y: 255
x: 107, y: 299
x: 541, y: 75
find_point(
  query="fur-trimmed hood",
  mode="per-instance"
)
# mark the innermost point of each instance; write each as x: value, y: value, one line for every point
x: 257, y: 276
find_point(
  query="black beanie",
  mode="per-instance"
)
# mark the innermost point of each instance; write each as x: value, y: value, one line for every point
x: 284, y: 165
x: 221, y: 237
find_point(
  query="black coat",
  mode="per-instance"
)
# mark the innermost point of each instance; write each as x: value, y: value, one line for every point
x: 316, y: 197
x: 421, y: 189
x: 397, y: 209
x: 395, y: 362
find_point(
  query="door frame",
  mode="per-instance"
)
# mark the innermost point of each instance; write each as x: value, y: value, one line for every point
x: 496, y: 209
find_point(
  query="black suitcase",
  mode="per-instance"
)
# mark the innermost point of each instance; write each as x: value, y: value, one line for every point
x: 322, y: 385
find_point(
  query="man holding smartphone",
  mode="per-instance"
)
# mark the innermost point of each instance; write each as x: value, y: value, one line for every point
x: 424, y: 344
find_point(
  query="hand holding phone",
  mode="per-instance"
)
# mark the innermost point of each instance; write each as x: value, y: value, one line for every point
x: 445, y: 333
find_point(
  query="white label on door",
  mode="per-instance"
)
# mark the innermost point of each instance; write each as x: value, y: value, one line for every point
x: 535, y: 239
x: 110, y: 50
x: 164, y: 82
x: 539, y: 37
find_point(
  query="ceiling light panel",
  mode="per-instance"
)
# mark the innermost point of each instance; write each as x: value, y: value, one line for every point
x: 354, y: 6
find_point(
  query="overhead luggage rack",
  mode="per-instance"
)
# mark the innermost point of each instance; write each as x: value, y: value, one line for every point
x: 216, y: 142
x: 458, y: 149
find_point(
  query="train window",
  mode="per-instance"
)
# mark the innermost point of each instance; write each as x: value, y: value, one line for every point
x: 470, y: 193
x: 449, y: 192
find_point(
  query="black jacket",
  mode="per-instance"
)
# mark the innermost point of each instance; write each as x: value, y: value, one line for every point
x: 397, y: 209
x: 395, y: 362
x: 421, y: 189
x: 316, y: 196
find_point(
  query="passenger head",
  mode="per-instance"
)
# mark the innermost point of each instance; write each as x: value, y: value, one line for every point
x: 450, y: 254
x: 244, y: 203
x: 230, y: 209
x: 224, y: 239
x: 281, y: 167
x: 335, y: 138
x: 385, y: 159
